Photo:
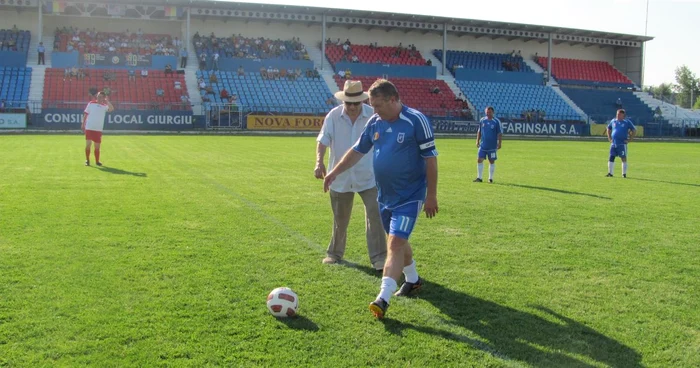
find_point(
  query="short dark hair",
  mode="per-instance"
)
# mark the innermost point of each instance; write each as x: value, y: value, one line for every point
x: 621, y: 111
x: 384, y: 88
x: 490, y: 108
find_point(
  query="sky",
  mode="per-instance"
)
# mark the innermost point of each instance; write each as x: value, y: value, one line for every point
x: 674, y: 24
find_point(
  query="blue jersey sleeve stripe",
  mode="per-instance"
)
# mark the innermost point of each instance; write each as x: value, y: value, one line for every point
x: 423, y: 122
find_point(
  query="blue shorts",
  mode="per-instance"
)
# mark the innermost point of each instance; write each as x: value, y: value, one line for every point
x: 400, y: 220
x: 618, y: 150
x: 491, y: 155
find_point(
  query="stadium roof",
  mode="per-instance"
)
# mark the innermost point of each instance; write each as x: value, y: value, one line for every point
x: 366, y: 19
x: 456, y: 22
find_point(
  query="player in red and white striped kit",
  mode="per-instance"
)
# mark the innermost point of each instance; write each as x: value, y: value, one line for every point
x: 93, y: 124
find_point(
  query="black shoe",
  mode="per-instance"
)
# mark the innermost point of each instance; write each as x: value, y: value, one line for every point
x: 87, y: 163
x: 491, y: 181
x: 624, y: 175
x: 409, y: 288
x: 99, y: 164
x: 378, y: 308
x: 609, y: 175
x: 477, y: 180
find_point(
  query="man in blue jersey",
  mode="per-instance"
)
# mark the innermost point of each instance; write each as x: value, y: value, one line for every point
x: 488, y: 140
x: 620, y: 132
x: 405, y: 168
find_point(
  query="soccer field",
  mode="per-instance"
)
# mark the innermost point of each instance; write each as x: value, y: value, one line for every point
x: 165, y: 257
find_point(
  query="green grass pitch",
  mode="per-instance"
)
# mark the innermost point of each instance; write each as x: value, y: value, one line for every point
x: 165, y: 256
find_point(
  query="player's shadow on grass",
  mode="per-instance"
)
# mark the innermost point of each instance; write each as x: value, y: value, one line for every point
x: 665, y: 182
x: 359, y: 267
x: 511, y: 334
x: 114, y: 170
x: 300, y: 323
x: 555, y: 190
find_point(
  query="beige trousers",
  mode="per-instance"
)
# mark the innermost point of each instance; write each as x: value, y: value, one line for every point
x: 342, y: 203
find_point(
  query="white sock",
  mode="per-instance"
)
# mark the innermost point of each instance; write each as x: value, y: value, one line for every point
x: 479, y: 169
x: 611, y: 166
x: 410, y: 272
x: 492, y: 169
x: 388, y: 288
x: 624, y: 168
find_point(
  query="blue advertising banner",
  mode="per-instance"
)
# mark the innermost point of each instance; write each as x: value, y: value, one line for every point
x: 455, y: 126
x: 464, y: 127
x: 119, y: 120
x: 542, y: 128
x: 13, y: 121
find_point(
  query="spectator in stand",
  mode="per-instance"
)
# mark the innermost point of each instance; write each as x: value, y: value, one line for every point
x: 241, y: 71
x: 41, y: 50
x: 224, y: 94
x: 132, y: 74
x: 215, y: 59
x: 183, y: 58
x: 144, y: 73
x: 618, y: 103
x: 213, y: 79
x: 168, y: 70
x: 203, y: 61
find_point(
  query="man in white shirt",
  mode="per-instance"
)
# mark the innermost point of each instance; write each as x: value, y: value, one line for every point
x: 93, y: 124
x: 342, y: 127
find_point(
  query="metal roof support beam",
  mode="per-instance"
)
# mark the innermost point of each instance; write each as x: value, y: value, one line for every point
x: 41, y: 22
x: 187, y: 40
x: 549, y: 58
x: 444, y: 47
x: 323, y: 42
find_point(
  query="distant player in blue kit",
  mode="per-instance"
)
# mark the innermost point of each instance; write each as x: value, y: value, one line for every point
x: 620, y: 132
x: 488, y: 140
x: 405, y: 169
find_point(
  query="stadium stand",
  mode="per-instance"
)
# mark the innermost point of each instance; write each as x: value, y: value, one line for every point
x: 90, y: 41
x: 14, y: 86
x: 65, y: 91
x: 418, y: 94
x: 14, y: 40
x: 573, y: 71
x: 516, y: 101
x: 278, y: 94
x: 675, y: 114
x: 483, y: 61
x: 372, y: 54
x: 247, y: 47
x: 601, y: 104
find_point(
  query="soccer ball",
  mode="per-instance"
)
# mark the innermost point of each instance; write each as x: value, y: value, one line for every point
x: 283, y: 302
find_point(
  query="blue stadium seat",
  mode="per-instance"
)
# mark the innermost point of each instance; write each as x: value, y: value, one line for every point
x: 14, y: 84
x: 600, y: 104
x: 512, y: 100
x: 279, y: 96
x: 481, y: 60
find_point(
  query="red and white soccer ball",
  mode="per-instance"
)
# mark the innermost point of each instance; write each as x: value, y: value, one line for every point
x: 283, y: 302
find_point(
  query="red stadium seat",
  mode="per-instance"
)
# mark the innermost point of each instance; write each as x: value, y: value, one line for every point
x: 573, y: 69
x: 142, y: 91
x: 416, y: 93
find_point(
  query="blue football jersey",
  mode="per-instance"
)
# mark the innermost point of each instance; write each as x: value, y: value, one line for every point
x: 400, y: 150
x: 490, y: 129
x: 620, y: 130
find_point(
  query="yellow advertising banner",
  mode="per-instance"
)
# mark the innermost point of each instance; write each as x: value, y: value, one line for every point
x: 283, y: 122
x: 599, y: 129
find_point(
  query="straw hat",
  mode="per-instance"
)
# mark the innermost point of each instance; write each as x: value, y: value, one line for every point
x: 352, y: 92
